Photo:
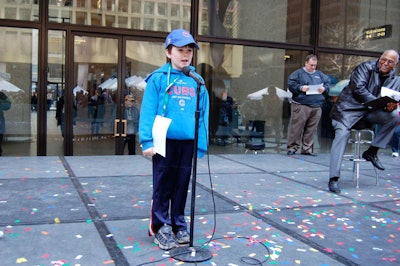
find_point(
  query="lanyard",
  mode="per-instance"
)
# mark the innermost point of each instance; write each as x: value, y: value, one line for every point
x: 166, y: 90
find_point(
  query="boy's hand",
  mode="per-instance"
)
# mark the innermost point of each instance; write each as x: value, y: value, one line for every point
x: 149, y: 152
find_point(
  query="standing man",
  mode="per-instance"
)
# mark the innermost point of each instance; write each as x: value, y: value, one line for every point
x: 306, y: 105
x: 365, y: 85
x: 5, y: 105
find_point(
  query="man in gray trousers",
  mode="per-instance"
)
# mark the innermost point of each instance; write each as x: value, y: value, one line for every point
x: 365, y: 85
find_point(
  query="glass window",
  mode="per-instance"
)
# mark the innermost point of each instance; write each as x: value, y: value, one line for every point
x: 241, y: 81
x: 266, y: 20
x: 95, y: 95
x: 155, y: 15
x: 55, y: 93
x: 340, y: 66
x: 19, y: 10
x: 362, y: 25
x: 18, y: 82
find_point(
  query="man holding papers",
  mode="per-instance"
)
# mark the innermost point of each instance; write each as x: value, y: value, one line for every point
x: 309, y: 87
x: 350, y: 109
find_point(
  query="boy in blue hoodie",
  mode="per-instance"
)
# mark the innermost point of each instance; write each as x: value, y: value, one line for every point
x: 172, y: 95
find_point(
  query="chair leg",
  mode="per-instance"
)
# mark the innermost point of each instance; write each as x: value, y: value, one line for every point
x: 357, y: 166
x: 376, y: 177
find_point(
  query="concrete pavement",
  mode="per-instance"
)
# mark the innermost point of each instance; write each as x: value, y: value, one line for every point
x: 265, y: 209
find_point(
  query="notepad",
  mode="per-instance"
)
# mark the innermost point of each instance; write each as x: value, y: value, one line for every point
x: 380, y: 102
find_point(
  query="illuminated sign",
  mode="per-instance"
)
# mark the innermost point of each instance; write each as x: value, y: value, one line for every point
x: 378, y: 32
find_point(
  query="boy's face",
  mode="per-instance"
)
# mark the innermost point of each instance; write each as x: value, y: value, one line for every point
x: 129, y: 103
x: 180, y: 56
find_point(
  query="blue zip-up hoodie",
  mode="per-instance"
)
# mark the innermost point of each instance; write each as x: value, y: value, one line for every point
x: 180, y: 107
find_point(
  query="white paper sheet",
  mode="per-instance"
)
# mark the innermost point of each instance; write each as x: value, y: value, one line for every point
x: 159, y: 131
x: 390, y: 93
x: 313, y: 89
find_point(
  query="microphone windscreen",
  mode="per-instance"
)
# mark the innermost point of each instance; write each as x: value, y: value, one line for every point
x: 186, y: 70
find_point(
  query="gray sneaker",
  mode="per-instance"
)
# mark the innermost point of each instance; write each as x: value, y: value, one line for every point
x: 182, y: 237
x: 165, y: 238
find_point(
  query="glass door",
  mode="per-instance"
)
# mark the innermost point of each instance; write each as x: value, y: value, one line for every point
x: 106, y: 103
x: 141, y: 58
x: 18, y: 88
x: 95, y: 95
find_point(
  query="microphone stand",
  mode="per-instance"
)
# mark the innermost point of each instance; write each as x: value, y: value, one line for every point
x: 190, y: 253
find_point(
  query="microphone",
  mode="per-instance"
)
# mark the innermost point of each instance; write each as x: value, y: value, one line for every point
x: 188, y: 72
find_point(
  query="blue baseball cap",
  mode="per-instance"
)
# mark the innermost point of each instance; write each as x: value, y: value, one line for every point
x: 180, y: 38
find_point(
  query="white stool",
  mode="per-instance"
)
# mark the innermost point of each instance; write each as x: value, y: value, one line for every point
x: 357, y: 140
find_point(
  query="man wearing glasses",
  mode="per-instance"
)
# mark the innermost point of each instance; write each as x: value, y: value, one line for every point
x: 365, y: 85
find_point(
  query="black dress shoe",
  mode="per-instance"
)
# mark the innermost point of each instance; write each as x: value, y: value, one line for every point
x: 290, y: 152
x: 309, y: 153
x: 373, y: 159
x: 334, y: 186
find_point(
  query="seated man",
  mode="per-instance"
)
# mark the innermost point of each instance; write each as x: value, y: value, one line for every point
x: 365, y: 85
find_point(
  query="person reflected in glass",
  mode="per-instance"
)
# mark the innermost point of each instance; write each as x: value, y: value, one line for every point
x: 5, y: 104
x: 34, y: 101
x: 273, y: 112
x: 131, y: 114
x: 60, y: 114
x: 99, y: 110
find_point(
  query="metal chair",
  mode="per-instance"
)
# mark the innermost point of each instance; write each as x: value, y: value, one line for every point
x: 361, y: 134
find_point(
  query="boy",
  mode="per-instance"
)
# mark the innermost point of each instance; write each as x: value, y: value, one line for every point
x: 171, y: 94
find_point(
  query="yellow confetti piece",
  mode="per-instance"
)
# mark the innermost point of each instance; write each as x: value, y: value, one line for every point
x: 297, y: 261
x: 21, y: 260
x: 57, y: 220
x: 274, y: 257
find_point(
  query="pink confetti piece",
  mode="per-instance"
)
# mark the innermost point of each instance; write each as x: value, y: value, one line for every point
x: 328, y: 250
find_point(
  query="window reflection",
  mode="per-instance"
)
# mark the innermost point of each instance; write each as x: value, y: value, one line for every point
x: 241, y: 81
x: 18, y: 81
x: 344, y: 23
x: 288, y: 21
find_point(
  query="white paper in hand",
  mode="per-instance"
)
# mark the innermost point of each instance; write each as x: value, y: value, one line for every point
x: 313, y: 89
x: 159, y: 131
x: 390, y: 93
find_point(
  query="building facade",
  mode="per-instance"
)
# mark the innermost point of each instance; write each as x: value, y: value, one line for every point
x: 68, y: 64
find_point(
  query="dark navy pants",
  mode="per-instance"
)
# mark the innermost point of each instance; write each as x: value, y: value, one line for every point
x: 171, y: 177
